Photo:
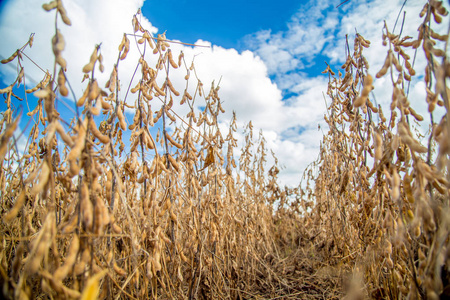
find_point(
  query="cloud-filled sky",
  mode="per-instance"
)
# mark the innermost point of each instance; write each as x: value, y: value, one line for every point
x: 268, y: 54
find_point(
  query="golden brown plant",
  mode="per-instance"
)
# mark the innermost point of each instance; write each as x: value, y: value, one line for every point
x: 170, y: 214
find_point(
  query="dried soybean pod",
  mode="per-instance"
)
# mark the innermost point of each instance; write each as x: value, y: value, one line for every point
x: 101, y: 67
x: 365, y: 43
x: 81, y: 101
x: 90, y: 66
x: 61, y: 61
x: 43, y: 179
x: 119, y: 271
x: 406, y: 76
x: 62, y: 272
x: 415, y: 114
x: 361, y: 100
x: 120, y: 116
x: 94, y: 90
x: 156, y: 87
x: 149, y: 39
x: 149, y: 268
x: 384, y: 69
x: 105, y: 104
x: 135, y: 23
x: 64, y: 136
x: 86, y: 207
x: 7, y: 134
x: 49, y: 6
x: 156, y: 118
x: 20, y: 76
x: 171, y: 117
x: 172, y: 141
x: 145, y: 93
x: 174, y: 91
x: 439, y: 188
x: 180, y: 57
x: 170, y: 104
x: 62, y: 83
x: 116, y: 228
x: 7, y: 60
x: 85, y: 258
x: 40, y: 245
x: 136, y: 88
x: 396, y: 63
x: 173, y: 162
x: 20, y: 200
x: 437, y: 18
x: 371, y: 106
x: 441, y: 9
x: 171, y: 61
x: 111, y: 83
x: 80, y: 141
x: 125, y: 47
x: 150, y: 116
x: 437, y: 36
x: 424, y: 10
x: 63, y: 13
x: 378, y: 146
x: 101, y: 137
x: 122, y: 43
x: 151, y: 143
x: 43, y: 82
x: 58, y: 43
x: 156, y: 48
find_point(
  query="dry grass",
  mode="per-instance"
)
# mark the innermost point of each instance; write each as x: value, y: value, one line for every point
x: 169, y: 214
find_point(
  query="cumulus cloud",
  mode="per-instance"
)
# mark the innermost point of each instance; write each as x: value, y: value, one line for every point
x: 244, y: 84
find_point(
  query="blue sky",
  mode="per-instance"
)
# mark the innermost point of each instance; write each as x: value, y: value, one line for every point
x: 235, y: 23
x: 269, y: 54
x: 223, y: 23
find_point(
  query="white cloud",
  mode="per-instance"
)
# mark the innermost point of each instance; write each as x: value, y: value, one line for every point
x: 245, y: 87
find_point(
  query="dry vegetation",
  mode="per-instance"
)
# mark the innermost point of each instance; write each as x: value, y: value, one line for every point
x: 169, y: 214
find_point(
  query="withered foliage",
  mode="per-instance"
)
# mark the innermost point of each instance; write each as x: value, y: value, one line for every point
x: 170, y: 214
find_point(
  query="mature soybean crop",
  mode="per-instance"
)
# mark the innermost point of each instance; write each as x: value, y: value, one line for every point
x: 169, y: 213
